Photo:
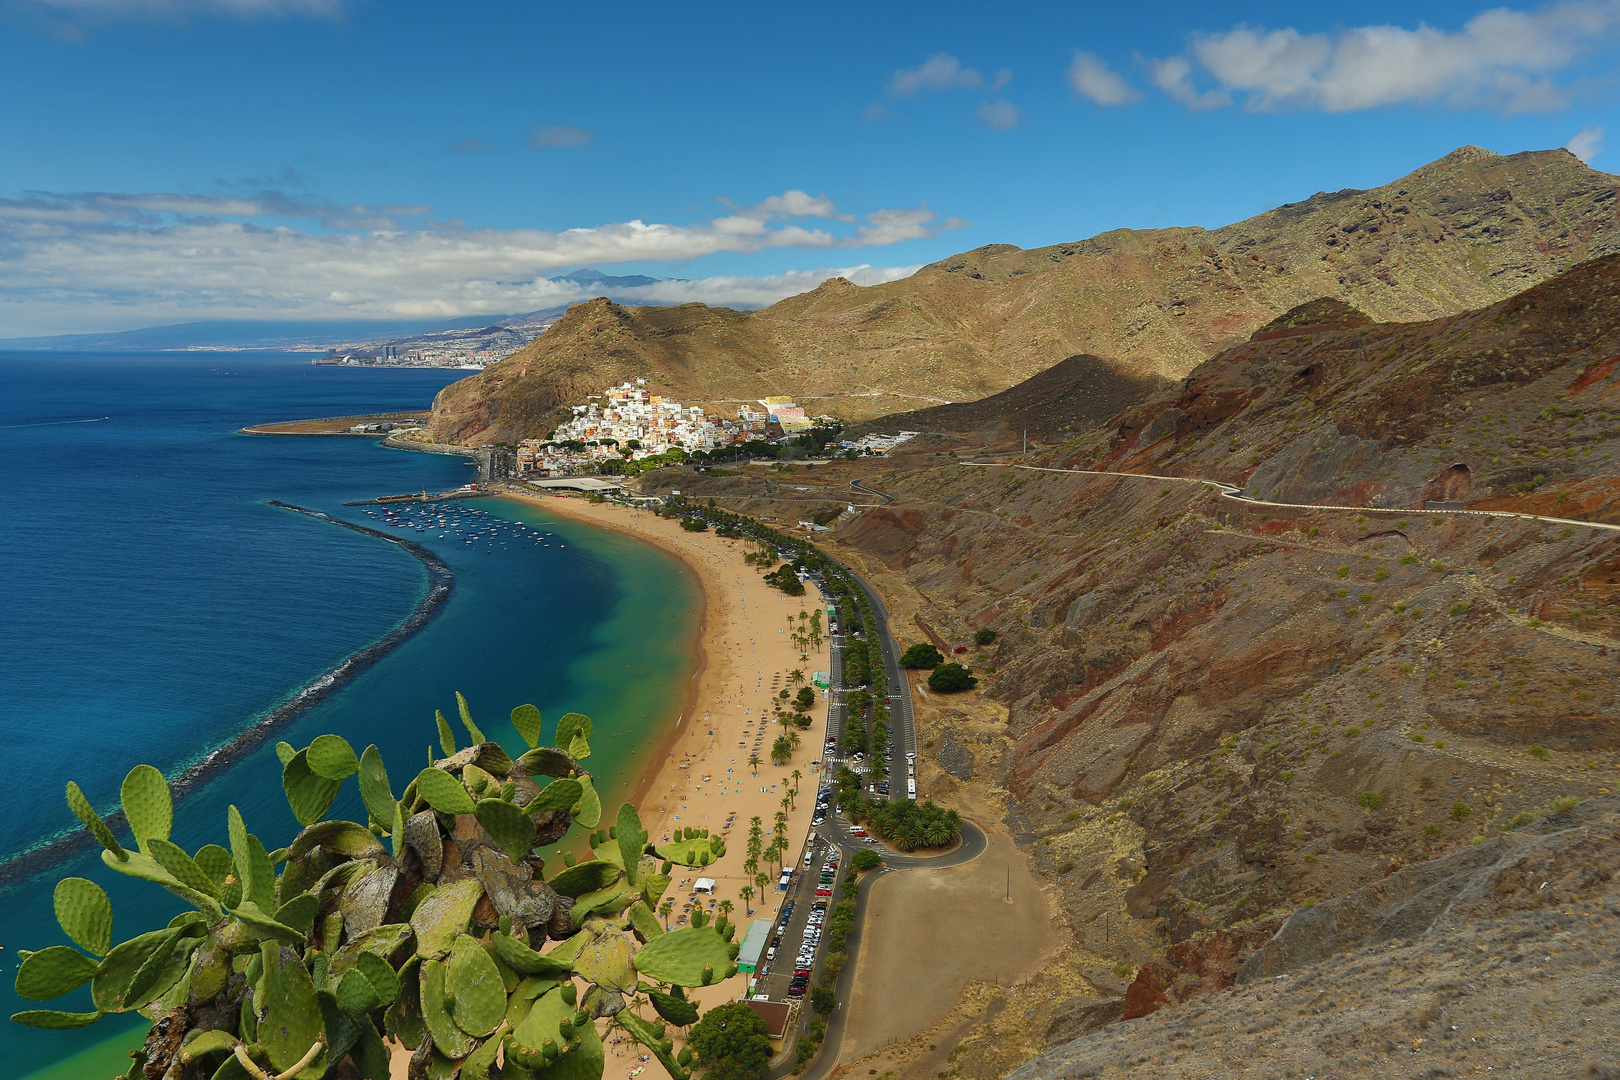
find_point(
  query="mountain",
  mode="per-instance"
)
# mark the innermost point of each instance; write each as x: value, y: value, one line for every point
x: 233, y: 335
x: 1462, y: 232
x: 1314, y: 785
x: 592, y: 278
x: 1068, y: 397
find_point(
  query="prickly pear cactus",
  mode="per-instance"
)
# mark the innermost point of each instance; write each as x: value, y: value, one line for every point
x: 436, y: 924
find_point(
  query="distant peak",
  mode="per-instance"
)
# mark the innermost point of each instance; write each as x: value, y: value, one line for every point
x: 836, y: 284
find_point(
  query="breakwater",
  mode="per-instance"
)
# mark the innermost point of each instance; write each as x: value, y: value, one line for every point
x: 440, y: 583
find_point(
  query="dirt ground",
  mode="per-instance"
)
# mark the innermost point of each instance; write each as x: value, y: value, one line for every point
x: 923, y: 943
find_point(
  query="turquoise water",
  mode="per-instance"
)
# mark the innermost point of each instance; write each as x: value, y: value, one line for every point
x: 156, y: 606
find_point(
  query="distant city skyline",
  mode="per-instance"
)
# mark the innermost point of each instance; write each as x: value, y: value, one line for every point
x: 182, y: 160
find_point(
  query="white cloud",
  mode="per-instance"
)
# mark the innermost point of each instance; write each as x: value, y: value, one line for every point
x: 1501, y: 59
x: 170, y: 257
x: 998, y: 115
x: 1100, y: 84
x: 1587, y: 144
x: 559, y: 137
x: 939, y: 72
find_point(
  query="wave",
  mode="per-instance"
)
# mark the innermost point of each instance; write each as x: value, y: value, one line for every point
x: 440, y: 581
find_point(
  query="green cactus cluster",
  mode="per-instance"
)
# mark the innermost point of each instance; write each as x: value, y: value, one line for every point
x: 435, y: 924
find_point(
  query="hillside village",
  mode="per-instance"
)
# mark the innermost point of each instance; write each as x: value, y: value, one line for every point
x: 629, y: 423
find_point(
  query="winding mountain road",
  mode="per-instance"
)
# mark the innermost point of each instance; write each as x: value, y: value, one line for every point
x: 1230, y: 491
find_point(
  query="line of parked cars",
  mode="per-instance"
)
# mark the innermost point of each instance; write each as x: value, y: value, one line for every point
x: 800, y: 982
x: 818, y: 817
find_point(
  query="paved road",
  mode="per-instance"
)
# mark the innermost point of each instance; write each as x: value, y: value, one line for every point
x: 972, y: 846
x: 858, y: 486
x: 1230, y: 491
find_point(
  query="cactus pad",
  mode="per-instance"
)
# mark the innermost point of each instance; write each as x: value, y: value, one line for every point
x: 507, y: 825
x: 52, y: 972
x: 586, y: 877
x: 653, y: 1039
x: 292, y: 1014
x: 467, y: 720
x: 147, y: 805
x: 473, y: 986
x: 526, y: 718
x: 695, y: 851
x: 690, y: 956
x: 643, y: 921
x: 173, y: 858
x: 524, y: 960
x: 443, y: 792
x: 85, y: 914
x: 91, y: 820
x: 447, y: 912
x: 605, y: 961
x: 572, y: 725
x: 609, y: 901
x: 546, y: 761
x: 558, y: 795
x: 450, y: 1039
x: 147, y: 868
x: 632, y: 840
x: 677, y: 1011
x: 588, y: 811
x: 308, y: 793
x: 332, y: 758
x: 527, y: 1044
x: 53, y: 1020
x: 374, y: 789
x: 214, y: 861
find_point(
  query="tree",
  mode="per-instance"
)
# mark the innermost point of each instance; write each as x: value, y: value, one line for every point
x: 725, y: 907
x: 804, y: 699
x: 694, y: 524
x: 781, y: 750
x: 796, y: 779
x: 922, y: 655
x: 823, y: 999
x: 796, y: 676
x: 747, y: 893
x: 949, y: 678
x: 732, y: 1043
x: 753, y: 763
x: 664, y: 909
x: 984, y: 636
x: 866, y: 859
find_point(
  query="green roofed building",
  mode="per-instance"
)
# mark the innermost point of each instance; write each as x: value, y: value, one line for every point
x: 753, y: 946
x: 822, y: 679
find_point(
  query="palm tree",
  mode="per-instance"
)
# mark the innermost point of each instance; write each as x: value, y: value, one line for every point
x: 796, y: 779
x: 747, y: 892
x: 725, y: 907
x: 763, y: 882
x: 664, y: 909
x: 796, y: 676
x: 753, y: 763
x: 793, y: 740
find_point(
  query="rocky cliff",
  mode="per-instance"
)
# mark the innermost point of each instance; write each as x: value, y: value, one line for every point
x: 1460, y: 233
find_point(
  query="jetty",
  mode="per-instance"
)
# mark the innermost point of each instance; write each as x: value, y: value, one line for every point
x: 466, y: 491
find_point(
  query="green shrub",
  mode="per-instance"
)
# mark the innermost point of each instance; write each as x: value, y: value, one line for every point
x: 1460, y: 810
x: 1431, y: 829
x: 1409, y: 559
x: 1381, y: 574
x: 1343, y: 571
x: 1562, y: 805
x: 1351, y: 732
x: 1539, y: 752
x: 984, y: 636
x: 950, y: 678
x: 1459, y: 608
x: 1065, y: 866
x: 1520, y: 821
x: 922, y: 656
x: 1370, y: 800
x: 1071, y: 817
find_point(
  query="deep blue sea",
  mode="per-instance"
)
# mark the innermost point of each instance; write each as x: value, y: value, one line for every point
x: 154, y: 607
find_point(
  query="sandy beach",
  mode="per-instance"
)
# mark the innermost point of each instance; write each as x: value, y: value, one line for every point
x: 704, y: 779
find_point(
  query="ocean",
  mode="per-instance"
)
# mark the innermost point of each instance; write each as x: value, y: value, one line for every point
x: 156, y: 607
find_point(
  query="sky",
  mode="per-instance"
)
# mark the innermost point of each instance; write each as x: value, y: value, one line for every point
x: 166, y: 161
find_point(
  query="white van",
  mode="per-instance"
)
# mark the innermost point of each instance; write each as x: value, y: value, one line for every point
x: 809, y: 855
x: 770, y: 954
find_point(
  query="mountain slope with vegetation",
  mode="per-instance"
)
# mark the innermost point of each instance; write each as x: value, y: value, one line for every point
x: 1465, y: 231
x: 1204, y: 718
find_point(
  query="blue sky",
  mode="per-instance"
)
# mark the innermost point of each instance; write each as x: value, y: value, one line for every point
x: 168, y: 160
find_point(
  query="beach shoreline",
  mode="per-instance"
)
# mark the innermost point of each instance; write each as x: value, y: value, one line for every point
x: 697, y: 774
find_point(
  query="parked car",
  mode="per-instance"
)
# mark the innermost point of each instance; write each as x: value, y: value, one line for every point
x: 817, y: 821
x: 857, y: 831
x: 770, y: 954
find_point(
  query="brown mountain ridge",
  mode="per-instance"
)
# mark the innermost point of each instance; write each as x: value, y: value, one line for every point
x: 1460, y: 233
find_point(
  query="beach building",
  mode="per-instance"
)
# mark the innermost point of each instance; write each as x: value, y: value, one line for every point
x: 704, y: 885
x: 776, y: 1014
x: 753, y: 946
